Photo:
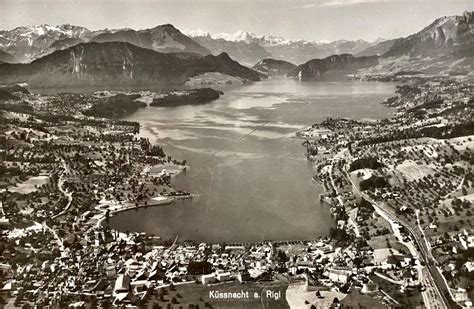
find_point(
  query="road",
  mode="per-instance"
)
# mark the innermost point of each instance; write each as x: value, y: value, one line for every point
x: 65, y: 193
x: 68, y: 205
x: 334, y: 159
x: 435, y: 285
x: 55, y: 235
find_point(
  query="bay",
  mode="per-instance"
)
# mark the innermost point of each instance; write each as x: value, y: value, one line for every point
x: 248, y: 171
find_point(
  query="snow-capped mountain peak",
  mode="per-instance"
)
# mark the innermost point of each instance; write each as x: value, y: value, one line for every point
x: 237, y: 36
x: 45, y: 29
x: 196, y: 32
x: 250, y: 37
x: 379, y: 40
x: 24, y: 43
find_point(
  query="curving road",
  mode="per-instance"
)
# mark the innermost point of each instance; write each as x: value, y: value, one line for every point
x: 68, y: 195
x: 68, y: 205
x: 437, y: 288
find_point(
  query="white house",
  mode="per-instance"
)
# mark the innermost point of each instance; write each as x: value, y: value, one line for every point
x: 339, y: 275
x: 224, y: 276
x: 208, y: 279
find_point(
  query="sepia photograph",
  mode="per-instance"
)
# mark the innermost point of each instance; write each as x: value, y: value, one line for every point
x: 267, y: 154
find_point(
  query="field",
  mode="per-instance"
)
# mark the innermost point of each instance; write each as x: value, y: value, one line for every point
x: 355, y: 299
x: 28, y: 186
x: 413, y: 171
x: 408, y: 299
x: 298, y: 297
x: 386, y: 242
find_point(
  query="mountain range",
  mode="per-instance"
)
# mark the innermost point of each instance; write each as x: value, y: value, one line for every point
x: 451, y: 35
x: 446, y: 46
x: 334, y: 65
x: 164, y: 38
x: 119, y: 64
x: 246, y: 52
x: 249, y: 48
x: 26, y: 44
x: 73, y: 55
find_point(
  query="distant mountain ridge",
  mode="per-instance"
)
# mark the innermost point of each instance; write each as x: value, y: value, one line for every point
x: 446, y: 35
x: 445, y: 46
x: 260, y: 47
x: 274, y: 67
x: 450, y: 37
x: 247, y: 53
x: 317, y: 69
x: 299, y: 52
x: 164, y: 38
x: 29, y: 43
x: 378, y: 49
x: 26, y: 44
x: 119, y: 63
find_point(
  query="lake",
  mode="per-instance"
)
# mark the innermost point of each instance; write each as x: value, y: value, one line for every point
x: 248, y: 171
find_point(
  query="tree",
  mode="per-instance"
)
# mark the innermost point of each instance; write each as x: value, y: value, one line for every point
x: 357, y: 261
x: 93, y: 302
x: 199, y: 268
x: 281, y: 257
x: 106, y: 304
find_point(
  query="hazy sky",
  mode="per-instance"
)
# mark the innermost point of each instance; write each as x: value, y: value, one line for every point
x: 304, y: 19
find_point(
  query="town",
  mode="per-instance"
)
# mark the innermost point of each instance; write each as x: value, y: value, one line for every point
x: 406, y: 184
x: 400, y: 190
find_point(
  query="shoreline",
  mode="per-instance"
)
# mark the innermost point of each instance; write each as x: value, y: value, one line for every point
x: 167, y: 201
x: 170, y: 200
x: 321, y: 198
x: 171, y: 170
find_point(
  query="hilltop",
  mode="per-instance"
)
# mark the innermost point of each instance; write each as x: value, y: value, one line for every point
x: 333, y: 65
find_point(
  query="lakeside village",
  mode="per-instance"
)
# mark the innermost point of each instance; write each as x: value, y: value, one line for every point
x: 405, y: 186
x: 400, y: 189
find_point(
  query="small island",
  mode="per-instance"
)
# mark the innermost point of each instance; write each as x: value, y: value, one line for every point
x: 187, y: 97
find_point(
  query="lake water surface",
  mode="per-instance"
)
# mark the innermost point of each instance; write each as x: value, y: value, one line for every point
x: 248, y: 171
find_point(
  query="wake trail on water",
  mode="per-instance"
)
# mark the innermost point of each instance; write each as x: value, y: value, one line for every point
x: 214, y: 161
